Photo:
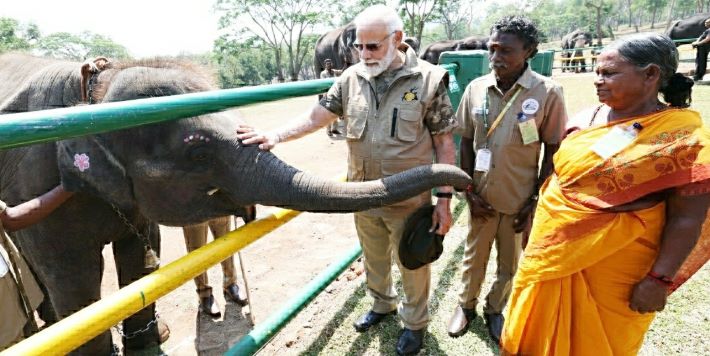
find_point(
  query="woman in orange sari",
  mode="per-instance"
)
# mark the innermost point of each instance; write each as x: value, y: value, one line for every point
x: 620, y: 215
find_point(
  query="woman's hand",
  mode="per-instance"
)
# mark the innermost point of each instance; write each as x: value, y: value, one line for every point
x: 478, y: 207
x: 648, y: 296
x: 250, y: 136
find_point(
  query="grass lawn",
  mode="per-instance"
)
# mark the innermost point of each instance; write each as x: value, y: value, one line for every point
x: 683, y: 328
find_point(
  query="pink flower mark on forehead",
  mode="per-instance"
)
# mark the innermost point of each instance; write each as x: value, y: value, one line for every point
x: 81, y: 161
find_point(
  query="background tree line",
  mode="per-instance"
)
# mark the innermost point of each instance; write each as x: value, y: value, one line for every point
x: 273, y: 40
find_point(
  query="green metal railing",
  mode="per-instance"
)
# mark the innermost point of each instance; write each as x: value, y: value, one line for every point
x: 51, y: 125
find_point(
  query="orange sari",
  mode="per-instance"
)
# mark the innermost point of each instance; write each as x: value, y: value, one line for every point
x: 571, y: 292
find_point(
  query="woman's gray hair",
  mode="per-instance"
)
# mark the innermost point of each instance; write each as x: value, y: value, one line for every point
x: 649, y: 48
x: 380, y: 14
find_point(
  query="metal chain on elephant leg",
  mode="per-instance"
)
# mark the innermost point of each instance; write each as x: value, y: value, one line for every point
x: 133, y: 334
x: 151, y: 259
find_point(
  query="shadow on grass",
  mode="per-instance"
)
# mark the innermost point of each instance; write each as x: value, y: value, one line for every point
x: 350, y: 305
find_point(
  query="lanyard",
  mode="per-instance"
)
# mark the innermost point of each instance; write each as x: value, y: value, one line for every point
x: 502, y: 113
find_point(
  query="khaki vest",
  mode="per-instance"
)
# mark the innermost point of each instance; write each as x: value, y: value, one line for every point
x: 393, y: 137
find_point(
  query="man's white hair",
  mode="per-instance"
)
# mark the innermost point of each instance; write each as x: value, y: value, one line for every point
x: 379, y: 14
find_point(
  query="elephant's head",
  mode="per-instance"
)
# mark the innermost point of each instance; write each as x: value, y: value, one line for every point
x: 412, y: 42
x: 472, y: 42
x: 347, y: 41
x: 186, y: 171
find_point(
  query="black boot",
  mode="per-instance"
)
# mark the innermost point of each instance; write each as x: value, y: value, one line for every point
x: 410, y: 342
x: 370, y: 319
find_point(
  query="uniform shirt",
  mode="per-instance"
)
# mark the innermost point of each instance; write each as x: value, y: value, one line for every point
x: 703, y: 36
x: 513, y: 173
x: 12, y: 313
x: 439, y: 117
x: 333, y: 73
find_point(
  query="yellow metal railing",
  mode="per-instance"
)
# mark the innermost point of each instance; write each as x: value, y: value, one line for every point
x: 82, y: 326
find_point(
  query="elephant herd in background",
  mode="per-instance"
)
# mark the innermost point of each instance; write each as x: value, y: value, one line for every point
x: 337, y: 45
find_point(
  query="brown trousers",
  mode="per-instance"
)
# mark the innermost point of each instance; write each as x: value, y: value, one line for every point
x: 196, y: 237
x: 481, y: 235
x: 379, y: 238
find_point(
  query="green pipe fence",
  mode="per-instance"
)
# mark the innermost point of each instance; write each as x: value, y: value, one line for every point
x: 56, y: 124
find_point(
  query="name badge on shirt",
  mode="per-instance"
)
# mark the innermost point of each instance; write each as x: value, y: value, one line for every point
x: 479, y: 110
x: 613, y: 142
x: 528, y: 129
x: 483, y: 160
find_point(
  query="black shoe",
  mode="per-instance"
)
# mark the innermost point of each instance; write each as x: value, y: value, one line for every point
x: 494, y: 322
x: 410, y: 342
x: 233, y: 293
x: 369, y: 320
x: 459, y: 322
x: 209, y: 306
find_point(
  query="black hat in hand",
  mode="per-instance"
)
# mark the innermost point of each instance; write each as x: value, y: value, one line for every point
x: 418, y: 246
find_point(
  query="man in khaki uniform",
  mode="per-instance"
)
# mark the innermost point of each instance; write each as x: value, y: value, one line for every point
x: 17, y: 308
x: 504, y: 119
x: 398, y: 116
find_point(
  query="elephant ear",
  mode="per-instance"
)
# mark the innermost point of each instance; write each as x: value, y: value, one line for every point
x: 86, y: 165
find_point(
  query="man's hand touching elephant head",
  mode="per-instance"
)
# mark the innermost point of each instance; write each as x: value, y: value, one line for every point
x: 250, y: 136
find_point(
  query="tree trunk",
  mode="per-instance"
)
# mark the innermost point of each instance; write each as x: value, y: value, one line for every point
x: 599, y: 25
x: 631, y: 15
x: 653, y: 17
x: 279, y: 66
x: 670, y: 14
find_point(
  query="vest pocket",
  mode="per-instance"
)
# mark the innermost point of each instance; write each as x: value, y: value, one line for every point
x: 356, y: 120
x: 408, y: 125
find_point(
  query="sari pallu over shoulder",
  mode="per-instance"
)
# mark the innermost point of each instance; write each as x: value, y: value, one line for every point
x: 571, y: 230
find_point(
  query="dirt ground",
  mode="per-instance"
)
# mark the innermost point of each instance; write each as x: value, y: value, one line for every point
x: 277, y: 266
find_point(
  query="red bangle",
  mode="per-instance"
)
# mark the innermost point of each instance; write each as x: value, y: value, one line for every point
x: 661, y: 279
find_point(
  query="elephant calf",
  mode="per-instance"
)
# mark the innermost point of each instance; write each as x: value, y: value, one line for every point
x: 173, y: 173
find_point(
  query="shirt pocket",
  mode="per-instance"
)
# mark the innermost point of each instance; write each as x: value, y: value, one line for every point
x: 356, y: 116
x: 407, y: 123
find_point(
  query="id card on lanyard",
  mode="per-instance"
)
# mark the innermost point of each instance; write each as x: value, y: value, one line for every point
x: 484, y: 155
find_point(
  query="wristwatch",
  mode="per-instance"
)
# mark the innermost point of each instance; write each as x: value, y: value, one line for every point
x: 533, y: 197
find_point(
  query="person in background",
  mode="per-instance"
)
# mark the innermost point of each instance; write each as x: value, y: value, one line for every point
x: 399, y: 116
x: 506, y: 118
x: 621, y: 214
x: 329, y: 72
x: 19, y: 293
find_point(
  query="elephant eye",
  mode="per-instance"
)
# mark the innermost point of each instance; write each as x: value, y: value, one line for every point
x: 199, y: 154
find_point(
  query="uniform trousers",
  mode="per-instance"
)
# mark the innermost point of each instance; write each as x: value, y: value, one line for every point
x: 196, y: 237
x: 379, y: 238
x: 481, y: 235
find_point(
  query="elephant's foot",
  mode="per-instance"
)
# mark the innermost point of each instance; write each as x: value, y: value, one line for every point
x: 155, y: 335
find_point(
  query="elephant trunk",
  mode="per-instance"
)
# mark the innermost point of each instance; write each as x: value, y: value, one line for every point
x: 275, y: 183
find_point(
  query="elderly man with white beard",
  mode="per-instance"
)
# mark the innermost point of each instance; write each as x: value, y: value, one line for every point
x: 399, y: 116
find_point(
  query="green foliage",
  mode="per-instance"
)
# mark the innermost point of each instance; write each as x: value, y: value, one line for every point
x: 80, y: 47
x: 281, y: 24
x: 350, y: 11
x: 243, y: 63
x: 14, y: 37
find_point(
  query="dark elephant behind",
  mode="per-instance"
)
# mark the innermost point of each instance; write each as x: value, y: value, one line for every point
x: 336, y: 45
x: 688, y: 29
x: 572, y: 44
x: 174, y: 173
x: 432, y: 52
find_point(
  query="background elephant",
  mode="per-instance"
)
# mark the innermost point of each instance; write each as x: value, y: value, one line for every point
x: 688, y: 29
x: 174, y: 173
x: 337, y: 45
x: 572, y: 44
x: 412, y: 42
x: 432, y: 52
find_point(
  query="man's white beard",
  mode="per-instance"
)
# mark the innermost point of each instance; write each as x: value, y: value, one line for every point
x: 382, y: 64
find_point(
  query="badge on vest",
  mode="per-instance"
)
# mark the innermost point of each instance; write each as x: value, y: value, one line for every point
x: 528, y: 129
x: 411, y: 95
